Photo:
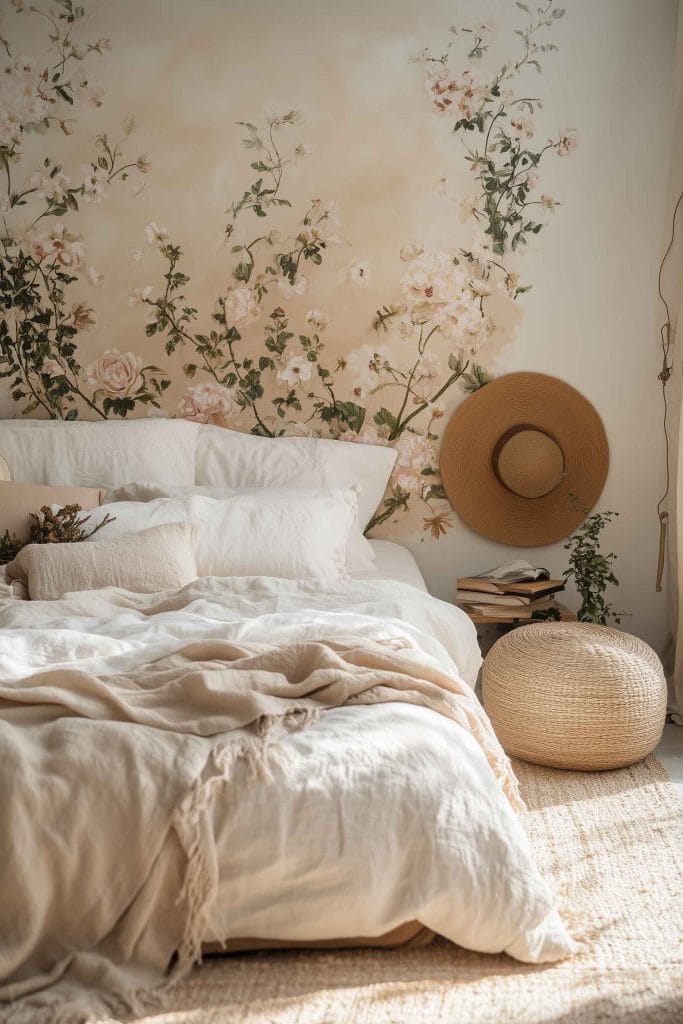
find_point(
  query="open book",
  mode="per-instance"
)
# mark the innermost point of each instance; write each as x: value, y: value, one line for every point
x: 513, y: 578
x: 518, y: 571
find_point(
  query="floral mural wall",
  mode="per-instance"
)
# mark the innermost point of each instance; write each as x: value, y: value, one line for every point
x: 274, y: 338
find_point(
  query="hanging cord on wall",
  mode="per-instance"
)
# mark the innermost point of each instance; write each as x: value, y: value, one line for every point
x: 664, y: 376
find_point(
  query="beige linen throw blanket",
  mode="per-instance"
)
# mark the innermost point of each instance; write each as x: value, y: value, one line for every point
x: 108, y: 862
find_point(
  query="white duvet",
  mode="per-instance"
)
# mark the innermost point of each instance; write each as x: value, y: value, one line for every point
x: 372, y: 816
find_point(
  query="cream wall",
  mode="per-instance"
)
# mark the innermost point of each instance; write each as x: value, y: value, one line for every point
x: 189, y: 72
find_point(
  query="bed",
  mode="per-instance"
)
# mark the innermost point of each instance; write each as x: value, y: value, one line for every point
x: 240, y: 762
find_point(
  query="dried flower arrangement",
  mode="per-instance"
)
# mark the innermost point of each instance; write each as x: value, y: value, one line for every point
x: 62, y: 527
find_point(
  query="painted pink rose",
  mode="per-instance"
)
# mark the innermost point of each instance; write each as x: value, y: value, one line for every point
x: 567, y: 142
x: 116, y: 374
x: 413, y: 454
x: 207, y: 403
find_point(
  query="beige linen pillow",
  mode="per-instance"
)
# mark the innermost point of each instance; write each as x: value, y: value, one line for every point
x: 161, y: 558
x: 17, y: 500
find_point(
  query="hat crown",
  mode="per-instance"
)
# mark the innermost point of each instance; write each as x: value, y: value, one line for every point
x: 528, y: 461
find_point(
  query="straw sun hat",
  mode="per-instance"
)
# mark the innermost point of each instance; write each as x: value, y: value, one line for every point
x: 513, y: 453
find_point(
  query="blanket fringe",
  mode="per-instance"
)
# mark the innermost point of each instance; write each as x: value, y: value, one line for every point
x: 260, y: 752
x: 87, y: 1009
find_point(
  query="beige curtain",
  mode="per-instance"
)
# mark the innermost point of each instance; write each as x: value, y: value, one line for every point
x: 675, y: 527
x: 672, y: 287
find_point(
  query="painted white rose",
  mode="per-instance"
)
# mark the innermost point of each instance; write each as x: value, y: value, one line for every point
x: 413, y: 454
x: 367, y: 435
x: 296, y: 287
x: 429, y: 366
x: 94, y: 184
x: 24, y: 98
x: 10, y: 129
x: 140, y: 295
x: 475, y: 331
x: 427, y: 372
x: 321, y: 229
x: 296, y: 370
x: 459, y: 318
x: 209, y: 402
x: 432, y: 278
x: 367, y: 359
x: 405, y: 325
x: 318, y: 320
x: 156, y: 236
x: 480, y: 287
x: 241, y: 307
x: 116, y: 374
x: 135, y: 255
x: 48, y: 186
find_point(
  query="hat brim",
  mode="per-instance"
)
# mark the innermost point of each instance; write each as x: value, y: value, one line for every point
x: 466, y: 460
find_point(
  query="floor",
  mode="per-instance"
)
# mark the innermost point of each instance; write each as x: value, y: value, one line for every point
x: 670, y: 754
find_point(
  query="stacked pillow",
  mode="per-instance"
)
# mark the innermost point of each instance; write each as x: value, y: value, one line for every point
x: 162, y: 558
x: 359, y: 557
x: 293, y: 507
x: 260, y: 532
x: 103, y: 454
x: 230, y: 459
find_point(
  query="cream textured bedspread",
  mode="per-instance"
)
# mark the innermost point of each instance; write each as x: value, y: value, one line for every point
x: 123, y: 719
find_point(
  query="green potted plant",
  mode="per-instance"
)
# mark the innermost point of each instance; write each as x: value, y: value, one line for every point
x: 591, y: 570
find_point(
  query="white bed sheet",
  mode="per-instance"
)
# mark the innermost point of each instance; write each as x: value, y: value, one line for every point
x: 393, y: 562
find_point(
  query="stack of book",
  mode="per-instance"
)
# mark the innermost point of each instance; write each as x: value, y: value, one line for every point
x: 514, y: 590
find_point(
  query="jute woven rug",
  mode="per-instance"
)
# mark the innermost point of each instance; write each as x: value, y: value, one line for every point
x: 612, y: 843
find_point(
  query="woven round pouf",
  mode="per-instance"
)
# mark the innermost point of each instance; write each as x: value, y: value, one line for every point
x: 574, y: 695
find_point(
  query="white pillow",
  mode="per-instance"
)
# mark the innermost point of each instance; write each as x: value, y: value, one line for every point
x: 250, y: 535
x: 228, y: 458
x: 79, y: 453
x: 360, y: 555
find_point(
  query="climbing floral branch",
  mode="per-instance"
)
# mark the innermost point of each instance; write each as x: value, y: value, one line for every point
x: 42, y: 257
x: 497, y: 125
